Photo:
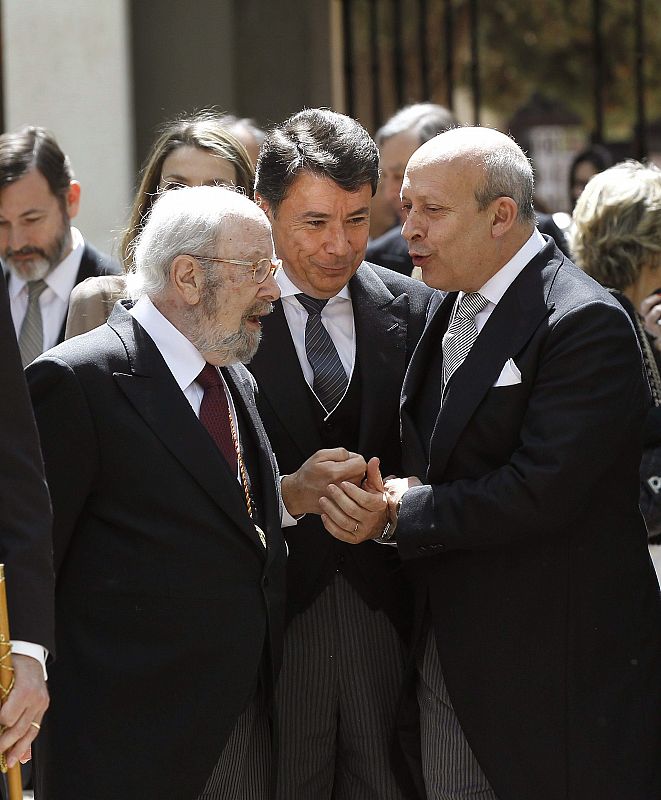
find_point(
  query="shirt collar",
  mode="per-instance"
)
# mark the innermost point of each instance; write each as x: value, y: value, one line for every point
x: 62, y: 279
x: 184, y: 360
x: 288, y: 288
x: 499, y: 283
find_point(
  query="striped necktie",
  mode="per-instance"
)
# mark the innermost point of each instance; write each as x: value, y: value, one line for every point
x: 330, y: 379
x: 460, y: 335
x: 31, y: 336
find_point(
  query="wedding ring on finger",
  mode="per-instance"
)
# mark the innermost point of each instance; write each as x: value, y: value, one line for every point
x: 355, y: 530
x: 35, y: 725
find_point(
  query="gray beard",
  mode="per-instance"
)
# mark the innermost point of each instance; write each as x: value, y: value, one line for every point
x: 240, y: 346
x: 37, y: 270
x: 44, y: 261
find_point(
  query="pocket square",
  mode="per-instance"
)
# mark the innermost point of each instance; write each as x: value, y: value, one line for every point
x: 510, y: 374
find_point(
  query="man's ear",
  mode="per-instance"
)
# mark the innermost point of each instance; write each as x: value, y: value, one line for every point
x: 504, y: 214
x: 264, y: 204
x: 187, y: 279
x: 72, y: 199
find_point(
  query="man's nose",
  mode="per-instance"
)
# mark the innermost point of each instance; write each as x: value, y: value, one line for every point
x: 16, y: 238
x: 269, y: 290
x: 411, y: 229
x: 337, y: 242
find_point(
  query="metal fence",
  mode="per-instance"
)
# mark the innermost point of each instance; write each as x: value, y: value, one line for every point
x: 401, y: 51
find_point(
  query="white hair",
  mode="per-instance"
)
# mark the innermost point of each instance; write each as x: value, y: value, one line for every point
x: 186, y: 220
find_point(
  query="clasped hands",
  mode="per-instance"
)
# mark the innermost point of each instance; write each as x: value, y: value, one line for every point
x: 354, y: 501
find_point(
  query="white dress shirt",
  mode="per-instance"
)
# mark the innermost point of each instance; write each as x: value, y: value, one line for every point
x: 54, y: 300
x: 499, y: 283
x: 185, y: 362
x: 336, y: 317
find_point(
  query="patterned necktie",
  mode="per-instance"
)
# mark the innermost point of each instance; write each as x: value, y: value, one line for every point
x: 330, y: 379
x: 215, y: 414
x: 460, y: 335
x: 31, y: 336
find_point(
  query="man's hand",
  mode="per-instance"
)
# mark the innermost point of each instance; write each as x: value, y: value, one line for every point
x: 354, y: 514
x: 27, y: 703
x: 395, y: 488
x: 650, y: 309
x: 302, y: 489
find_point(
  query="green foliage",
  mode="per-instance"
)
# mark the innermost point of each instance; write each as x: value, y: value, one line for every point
x: 547, y: 46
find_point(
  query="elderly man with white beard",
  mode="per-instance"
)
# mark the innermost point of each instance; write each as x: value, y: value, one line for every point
x: 169, y: 552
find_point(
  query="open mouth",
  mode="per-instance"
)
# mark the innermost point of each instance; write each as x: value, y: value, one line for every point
x: 254, y: 318
x: 418, y: 260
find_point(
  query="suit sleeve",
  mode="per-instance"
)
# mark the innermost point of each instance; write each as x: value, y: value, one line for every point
x: 585, y: 413
x: 25, y: 541
x: 69, y: 444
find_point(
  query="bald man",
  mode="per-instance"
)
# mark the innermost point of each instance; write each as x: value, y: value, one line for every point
x: 539, y: 620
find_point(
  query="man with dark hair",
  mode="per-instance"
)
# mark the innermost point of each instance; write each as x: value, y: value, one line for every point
x: 538, y: 612
x: 25, y: 550
x: 397, y: 140
x: 43, y: 255
x: 330, y: 370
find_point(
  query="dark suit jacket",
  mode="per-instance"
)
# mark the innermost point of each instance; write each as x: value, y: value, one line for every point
x: 391, y: 250
x: 389, y: 312
x: 92, y: 263
x: 546, y: 224
x: 25, y: 536
x: 167, y: 605
x: 528, y: 545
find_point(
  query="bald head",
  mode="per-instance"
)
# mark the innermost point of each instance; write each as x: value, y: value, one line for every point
x: 499, y: 166
x: 467, y: 194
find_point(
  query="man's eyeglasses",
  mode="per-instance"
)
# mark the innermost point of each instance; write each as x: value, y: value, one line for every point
x: 260, y: 269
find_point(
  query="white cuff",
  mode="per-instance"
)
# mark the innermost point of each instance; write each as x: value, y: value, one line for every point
x: 35, y: 651
x: 286, y: 519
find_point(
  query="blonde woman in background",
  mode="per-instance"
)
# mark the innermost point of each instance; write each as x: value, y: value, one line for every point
x: 617, y: 240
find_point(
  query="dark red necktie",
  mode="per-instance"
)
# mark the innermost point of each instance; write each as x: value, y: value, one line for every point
x: 215, y: 414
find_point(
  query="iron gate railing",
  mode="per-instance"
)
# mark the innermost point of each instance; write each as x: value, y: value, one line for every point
x: 401, y: 51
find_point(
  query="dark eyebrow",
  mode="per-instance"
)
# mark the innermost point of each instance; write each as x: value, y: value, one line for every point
x: 322, y: 215
x: 314, y: 215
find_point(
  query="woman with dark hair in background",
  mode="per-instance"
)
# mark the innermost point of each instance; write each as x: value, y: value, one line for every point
x: 195, y: 150
x: 584, y: 165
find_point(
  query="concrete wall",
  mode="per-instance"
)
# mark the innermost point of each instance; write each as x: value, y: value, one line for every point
x: 66, y: 66
x: 282, y: 58
x: 253, y: 58
x: 103, y: 76
x: 183, y: 60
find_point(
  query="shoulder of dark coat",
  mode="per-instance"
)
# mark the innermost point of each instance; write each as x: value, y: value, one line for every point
x: 419, y: 293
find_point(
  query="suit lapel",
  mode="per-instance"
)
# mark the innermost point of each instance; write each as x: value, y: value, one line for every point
x: 150, y: 387
x: 381, y: 322
x: 243, y: 396
x: 415, y: 452
x: 282, y: 383
x: 86, y: 269
x: 511, y: 325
